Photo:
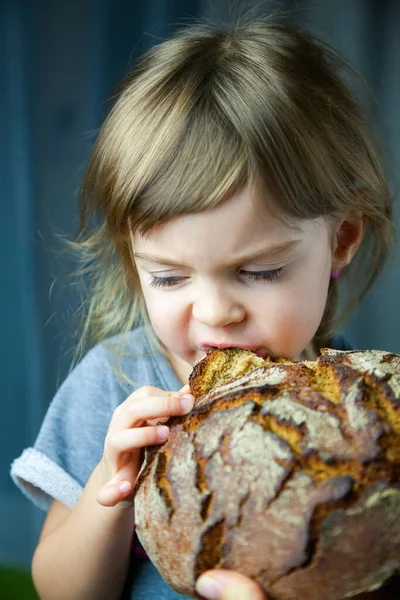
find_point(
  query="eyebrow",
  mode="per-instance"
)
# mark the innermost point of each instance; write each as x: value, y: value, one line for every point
x: 267, y: 253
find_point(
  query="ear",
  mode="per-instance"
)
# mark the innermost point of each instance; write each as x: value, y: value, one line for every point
x: 348, y: 237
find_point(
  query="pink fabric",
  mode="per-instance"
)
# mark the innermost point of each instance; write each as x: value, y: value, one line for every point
x: 137, y: 549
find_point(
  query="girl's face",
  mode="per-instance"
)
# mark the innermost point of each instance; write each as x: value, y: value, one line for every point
x: 235, y: 275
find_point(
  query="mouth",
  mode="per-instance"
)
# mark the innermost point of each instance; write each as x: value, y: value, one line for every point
x: 261, y: 352
x: 206, y: 348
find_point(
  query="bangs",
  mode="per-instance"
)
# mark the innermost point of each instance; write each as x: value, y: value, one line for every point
x: 179, y: 156
x: 189, y: 172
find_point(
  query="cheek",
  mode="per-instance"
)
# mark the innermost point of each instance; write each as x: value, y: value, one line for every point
x: 294, y: 318
x: 158, y: 305
x: 165, y: 312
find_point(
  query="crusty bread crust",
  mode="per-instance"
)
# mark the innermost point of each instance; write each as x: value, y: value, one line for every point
x: 289, y: 474
x: 220, y: 366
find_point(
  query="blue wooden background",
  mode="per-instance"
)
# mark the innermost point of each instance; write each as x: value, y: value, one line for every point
x: 59, y: 61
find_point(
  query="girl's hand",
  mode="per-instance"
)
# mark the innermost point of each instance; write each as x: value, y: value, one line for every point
x: 220, y: 584
x: 132, y: 427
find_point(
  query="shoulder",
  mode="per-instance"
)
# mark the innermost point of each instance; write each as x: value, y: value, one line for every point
x: 126, y: 362
x: 134, y: 345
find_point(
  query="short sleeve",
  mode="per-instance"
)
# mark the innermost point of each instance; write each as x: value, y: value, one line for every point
x: 71, y: 439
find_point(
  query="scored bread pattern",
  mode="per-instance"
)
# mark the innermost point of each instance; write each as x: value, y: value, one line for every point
x: 285, y: 474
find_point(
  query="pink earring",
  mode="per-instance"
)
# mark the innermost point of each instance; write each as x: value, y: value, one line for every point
x: 335, y: 273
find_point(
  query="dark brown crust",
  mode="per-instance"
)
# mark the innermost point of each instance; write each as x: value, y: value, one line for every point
x: 291, y: 475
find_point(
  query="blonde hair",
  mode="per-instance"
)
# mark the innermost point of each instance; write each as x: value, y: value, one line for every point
x: 202, y: 114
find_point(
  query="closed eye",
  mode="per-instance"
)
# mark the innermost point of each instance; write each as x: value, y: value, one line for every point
x: 256, y: 276
x: 262, y: 276
x: 165, y: 281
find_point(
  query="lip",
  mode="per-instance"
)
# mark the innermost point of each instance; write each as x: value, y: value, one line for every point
x: 260, y: 351
x: 208, y: 345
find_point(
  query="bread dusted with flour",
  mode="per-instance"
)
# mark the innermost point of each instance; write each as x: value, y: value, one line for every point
x: 288, y: 473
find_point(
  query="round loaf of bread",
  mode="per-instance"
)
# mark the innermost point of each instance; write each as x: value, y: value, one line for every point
x: 288, y: 472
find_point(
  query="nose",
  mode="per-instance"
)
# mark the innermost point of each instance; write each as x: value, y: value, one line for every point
x: 217, y: 308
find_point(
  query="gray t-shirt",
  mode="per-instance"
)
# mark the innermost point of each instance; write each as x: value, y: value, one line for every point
x: 71, y: 439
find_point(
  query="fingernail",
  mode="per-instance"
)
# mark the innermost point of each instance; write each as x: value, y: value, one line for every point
x: 187, y: 402
x: 209, y: 588
x: 125, y: 487
x: 162, y: 432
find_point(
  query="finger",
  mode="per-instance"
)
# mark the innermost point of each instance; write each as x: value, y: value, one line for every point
x: 134, y: 412
x: 149, y: 390
x: 112, y: 493
x: 219, y: 584
x: 185, y: 389
x: 138, y: 437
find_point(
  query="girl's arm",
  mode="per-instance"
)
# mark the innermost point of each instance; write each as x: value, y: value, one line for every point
x: 84, y: 553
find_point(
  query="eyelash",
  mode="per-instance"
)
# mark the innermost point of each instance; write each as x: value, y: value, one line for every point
x: 257, y: 276
x: 264, y: 275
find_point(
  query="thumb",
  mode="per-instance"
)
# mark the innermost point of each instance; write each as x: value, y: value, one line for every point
x: 220, y: 584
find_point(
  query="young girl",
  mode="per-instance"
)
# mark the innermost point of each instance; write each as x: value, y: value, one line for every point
x: 232, y: 190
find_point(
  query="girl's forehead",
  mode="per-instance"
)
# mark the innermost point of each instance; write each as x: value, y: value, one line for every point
x: 247, y: 221
x: 248, y: 211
